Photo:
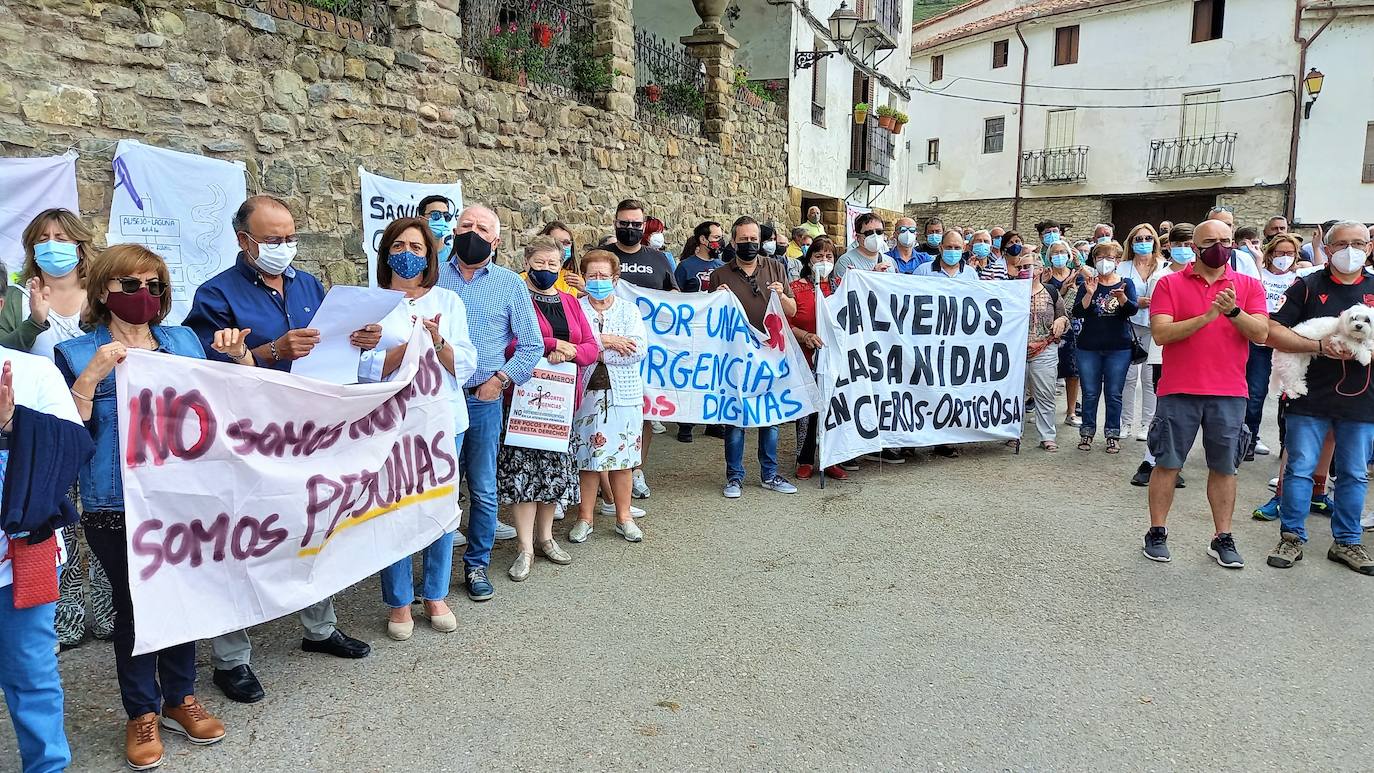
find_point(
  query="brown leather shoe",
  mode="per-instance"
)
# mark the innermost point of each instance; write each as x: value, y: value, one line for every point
x: 142, y: 742
x: 192, y: 720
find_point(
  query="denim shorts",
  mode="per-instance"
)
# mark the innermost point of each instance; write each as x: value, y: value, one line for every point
x: 1178, y: 419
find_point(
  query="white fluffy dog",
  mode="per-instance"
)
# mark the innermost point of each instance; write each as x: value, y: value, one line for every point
x: 1354, y: 328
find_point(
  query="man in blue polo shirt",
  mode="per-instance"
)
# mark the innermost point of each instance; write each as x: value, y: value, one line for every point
x: 501, y: 319
x: 262, y: 292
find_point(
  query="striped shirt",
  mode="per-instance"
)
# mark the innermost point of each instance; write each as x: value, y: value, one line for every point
x: 499, y: 311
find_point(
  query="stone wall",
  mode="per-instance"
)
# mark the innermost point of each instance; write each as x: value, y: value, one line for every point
x: 304, y: 108
x: 1081, y: 211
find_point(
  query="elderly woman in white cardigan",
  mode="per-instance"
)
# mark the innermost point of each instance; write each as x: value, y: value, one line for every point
x: 606, y: 427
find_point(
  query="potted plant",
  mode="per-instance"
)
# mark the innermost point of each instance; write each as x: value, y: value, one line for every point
x: 900, y: 120
x: 861, y: 112
x: 653, y: 92
x: 885, y: 120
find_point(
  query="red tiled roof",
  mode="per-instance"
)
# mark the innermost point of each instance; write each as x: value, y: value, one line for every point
x: 1034, y: 10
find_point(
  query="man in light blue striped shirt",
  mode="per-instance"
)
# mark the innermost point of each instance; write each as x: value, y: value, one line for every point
x: 501, y: 320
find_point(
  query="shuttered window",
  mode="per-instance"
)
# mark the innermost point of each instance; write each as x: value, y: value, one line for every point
x: 937, y: 68
x: 1367, y: 175
x: 1066, y: 45
x: 1208, y: 16
x: 933, y: 151
x: 1201, y: 114
x: 1001, y: 50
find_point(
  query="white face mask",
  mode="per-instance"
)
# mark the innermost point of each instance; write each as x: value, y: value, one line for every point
x: 1105, y: 267
x: 822, y: 268
x: 770, y: 247
x: 1283, y: 262
x: 274, y: 259
x: 874, y: 243
x: 656, y: 240
x: 1349, y: 260
x: 906, y: 238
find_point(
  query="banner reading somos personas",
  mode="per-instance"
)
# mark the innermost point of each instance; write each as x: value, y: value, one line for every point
x: 705, y: 364
x: 918, y: 361
x: 251, y: 493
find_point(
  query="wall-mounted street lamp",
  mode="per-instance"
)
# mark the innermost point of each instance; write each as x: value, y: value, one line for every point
x: 842, y: 23
x: 1313, y: 83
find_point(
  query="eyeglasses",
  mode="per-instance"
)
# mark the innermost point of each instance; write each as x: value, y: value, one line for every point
x: 1143, y: 239
x: 629, y: 224
x: 275, y: 241
x: 1223, y: 208
x: 130, y: 285
x: 436, y: 216
x: 1358, y: 244
x: 877, y: 232
x: 906, y: 229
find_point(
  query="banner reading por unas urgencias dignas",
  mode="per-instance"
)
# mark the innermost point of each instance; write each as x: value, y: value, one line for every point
x: 919, y: 361
x: 251, y: 493
x: 706, y: 364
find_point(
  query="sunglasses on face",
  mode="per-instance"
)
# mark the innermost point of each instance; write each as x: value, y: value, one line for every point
x: 906, y: 229
x: 1146, y: 239
x: 130, y: 285
x: 871, y: 233
x: 436, y: 216
x: 629, y: 223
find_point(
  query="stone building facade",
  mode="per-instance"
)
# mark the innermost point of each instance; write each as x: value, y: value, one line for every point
x: 304, y: 108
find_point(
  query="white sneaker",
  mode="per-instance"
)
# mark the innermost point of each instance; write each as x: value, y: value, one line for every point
x: 1142, y: 435
x: 558, y: 512
x: 607, y: 508
x: 1274, y: 484
x: 630, y: 531
x: 1261, y: 448
x: 505, y: 531
x: 459, y: 540
x: 639, y: 489
x: 658, y: 429
x: 1368, y: 521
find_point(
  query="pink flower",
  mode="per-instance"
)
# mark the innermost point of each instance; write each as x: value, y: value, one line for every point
x: 496, y: 30
x: 639, y: 443
x: 562, y: 17
x: 513, y: 27
x: 598, y: 440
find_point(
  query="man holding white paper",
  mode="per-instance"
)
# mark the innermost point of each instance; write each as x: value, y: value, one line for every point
x: 274, y: 305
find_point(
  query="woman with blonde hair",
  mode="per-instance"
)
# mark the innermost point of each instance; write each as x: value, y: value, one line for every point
x: 129, y: 293
x: 1146, y: 260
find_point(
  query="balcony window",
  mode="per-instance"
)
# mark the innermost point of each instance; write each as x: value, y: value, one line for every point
x: 870, y: 153
x: 1208, y: 16
x: 819, y: 73
x: 1066, y: 45
x: 1054, y: 166
x: 994, y: 131
x: 1211, y: 155
x: 1001, y: 52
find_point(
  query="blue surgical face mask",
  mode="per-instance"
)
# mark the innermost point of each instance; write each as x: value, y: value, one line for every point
x: 543, y: 279
x: 997, y: 242
x: 567, y: 253
x: 440, y: 228
x: 56, y: 258
x: 981, y: 249
x: 600, y: 289
x: 1181, y: 254
x: 407, y: 265
x: 1059, y: 260
x: 1050, y: 237
x: 951, y: 257
x: 1103, y: 239
x: 1142, y: 248
x: 934, y: 239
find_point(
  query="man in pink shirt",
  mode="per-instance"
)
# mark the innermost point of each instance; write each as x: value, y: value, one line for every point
x: 1204, y: 317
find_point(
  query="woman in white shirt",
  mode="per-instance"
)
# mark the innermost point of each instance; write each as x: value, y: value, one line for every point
x: 1279, y: 264
x: 606, y: 427
x: 1146, y: 261
x: 408, y: 262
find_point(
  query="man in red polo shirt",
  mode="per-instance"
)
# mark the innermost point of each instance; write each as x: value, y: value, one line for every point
x: 1204, y: 317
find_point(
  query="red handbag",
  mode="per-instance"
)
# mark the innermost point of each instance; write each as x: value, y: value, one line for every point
x: 35, y: 571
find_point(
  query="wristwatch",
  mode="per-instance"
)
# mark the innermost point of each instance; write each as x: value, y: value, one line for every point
x: 1233, y: 313
x: 503, y: 378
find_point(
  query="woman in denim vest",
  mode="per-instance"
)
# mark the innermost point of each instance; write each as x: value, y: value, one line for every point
x: 128, y: 294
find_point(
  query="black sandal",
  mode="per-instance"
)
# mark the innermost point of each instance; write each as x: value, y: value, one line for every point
x: 1085, y: 443
x: 1113, y: 445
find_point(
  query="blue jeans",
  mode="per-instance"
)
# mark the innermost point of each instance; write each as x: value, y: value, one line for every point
x: 734, y: 453
x: 1257, y: 370
x: 1303, y: 441
x: 478, y: 462
x: 32, y: 686
x: 398, y: 584
x: 1102, y: 374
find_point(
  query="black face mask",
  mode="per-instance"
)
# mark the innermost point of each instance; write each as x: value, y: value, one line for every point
x: 713, y: 251
x: 747, y: 251
x: 471, y: 248
x: 628, y: 237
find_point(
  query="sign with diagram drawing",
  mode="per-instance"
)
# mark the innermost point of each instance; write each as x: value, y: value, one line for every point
x: 181, y: 206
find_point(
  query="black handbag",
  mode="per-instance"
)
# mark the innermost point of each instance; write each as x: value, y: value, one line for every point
x: 1139, y: 354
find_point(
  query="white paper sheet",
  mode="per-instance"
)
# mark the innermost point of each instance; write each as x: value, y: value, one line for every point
x: 345, y: 309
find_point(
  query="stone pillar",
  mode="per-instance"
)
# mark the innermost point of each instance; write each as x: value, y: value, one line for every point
x: 716, y: 49
x: 614, y: 36
x: 427, y: 28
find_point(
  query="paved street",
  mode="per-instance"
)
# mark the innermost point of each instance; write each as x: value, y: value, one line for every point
x: 985, y: 613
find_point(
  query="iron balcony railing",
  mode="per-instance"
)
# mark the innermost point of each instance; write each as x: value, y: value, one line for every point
x: 1054, y: 166
x: 537, y: 41
x: 670, y: 83
x: 1212, y: 155
x: 882, y: 21
x: 870, y: 152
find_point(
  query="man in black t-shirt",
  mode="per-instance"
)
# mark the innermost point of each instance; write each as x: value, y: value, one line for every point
x: 1339, y: 401
x: 639, y: 265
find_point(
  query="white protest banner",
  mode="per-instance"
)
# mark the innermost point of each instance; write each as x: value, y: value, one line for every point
x: 919, y: 361
x: 705, y: 364
x: 541, y: 409
x: 29, y: 186
x: 181, y: 206
x: 385, y: 199
x: 251, y: 493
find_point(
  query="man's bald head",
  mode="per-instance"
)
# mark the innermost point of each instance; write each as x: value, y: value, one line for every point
x: 481, y: 219
x: 1210, y: 232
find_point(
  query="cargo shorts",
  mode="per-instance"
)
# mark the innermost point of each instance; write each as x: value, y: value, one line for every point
x: 1178, y: 419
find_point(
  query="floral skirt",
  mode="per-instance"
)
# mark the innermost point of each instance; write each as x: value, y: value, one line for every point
x: 533, y: 475
x: 606, y: 437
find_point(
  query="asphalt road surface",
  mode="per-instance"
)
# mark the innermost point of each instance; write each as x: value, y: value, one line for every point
x: 991, y: 612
